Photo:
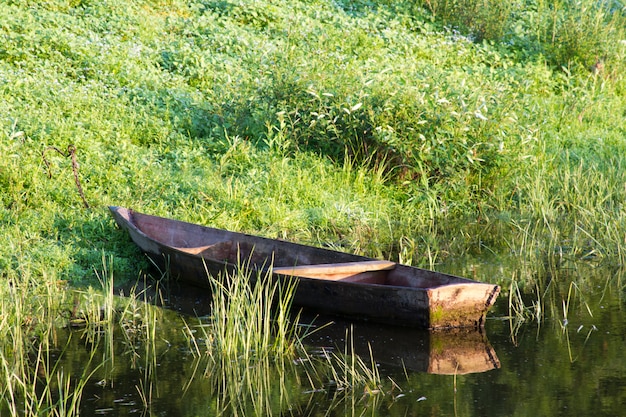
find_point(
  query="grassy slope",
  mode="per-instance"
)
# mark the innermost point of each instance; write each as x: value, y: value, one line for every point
x: 361, y: 127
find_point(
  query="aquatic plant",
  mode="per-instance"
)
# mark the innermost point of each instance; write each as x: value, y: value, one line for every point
x: 348, y: 370
x: 31, y: 312
x: 254, y: 342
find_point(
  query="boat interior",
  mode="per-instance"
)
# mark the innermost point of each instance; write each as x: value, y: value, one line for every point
x: 284, y: 257
x: 363, y: 271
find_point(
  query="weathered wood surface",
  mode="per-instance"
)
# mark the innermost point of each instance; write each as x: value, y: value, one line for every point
x: 338, y: 271
x: 384, y: 291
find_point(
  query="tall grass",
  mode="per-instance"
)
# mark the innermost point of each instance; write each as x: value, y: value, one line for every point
x: 34, y: 389
x: 249, y: 342
x: 251, y: 316
x: 32, y: 312
x: 255, y: 346
x: 581, y: 34
x: 252, y: 338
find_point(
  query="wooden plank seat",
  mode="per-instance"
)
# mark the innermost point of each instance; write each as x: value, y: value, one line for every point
x: 363, y: 271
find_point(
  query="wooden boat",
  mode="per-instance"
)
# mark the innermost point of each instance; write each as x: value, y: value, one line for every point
x: 329, y: 281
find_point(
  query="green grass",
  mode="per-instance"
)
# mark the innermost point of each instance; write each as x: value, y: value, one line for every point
x: 254, y: 345
x: 33, y: 314
x: 421, y: 131
x: 249, y: 356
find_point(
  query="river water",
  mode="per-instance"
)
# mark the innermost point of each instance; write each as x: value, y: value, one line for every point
x: 568, y: 362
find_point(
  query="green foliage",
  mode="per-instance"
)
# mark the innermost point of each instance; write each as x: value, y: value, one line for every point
x: 367, y: 127
x: 582, y: 34
x: 483, y: 19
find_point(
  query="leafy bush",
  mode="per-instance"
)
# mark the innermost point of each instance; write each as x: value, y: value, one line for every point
x: 582, y: 33
x: 482, y: 19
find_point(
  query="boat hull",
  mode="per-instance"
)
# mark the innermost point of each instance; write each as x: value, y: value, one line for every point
x: 398, y: 294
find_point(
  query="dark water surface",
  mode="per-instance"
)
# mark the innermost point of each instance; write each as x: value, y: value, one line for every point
x: 570, y: 363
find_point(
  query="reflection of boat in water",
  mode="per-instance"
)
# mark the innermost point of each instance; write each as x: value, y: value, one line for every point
x: 445, y: 352
x: 460, y: 353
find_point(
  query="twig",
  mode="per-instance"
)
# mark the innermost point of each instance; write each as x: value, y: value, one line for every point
x: 71, y: 152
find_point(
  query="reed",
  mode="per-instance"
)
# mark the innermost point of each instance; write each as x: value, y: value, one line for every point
x: 251, y: 315
x: 36, y: 389
x: 349, y: 370
x: 32, y: 383
x: 254, y: 349
x: 252, y: 338
x: 33, y: 312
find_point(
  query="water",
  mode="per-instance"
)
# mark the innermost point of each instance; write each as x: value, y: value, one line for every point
x: 569, y: 363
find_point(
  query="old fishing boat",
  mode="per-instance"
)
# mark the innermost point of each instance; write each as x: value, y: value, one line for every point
x: 329, y: 281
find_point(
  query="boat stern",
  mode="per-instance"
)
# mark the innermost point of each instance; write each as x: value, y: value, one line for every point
x: 461, y: 305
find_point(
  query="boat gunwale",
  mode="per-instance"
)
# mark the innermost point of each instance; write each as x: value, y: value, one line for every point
x: 128, y: 216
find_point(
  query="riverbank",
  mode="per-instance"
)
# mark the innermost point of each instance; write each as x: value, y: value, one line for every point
x: 370, y: 129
